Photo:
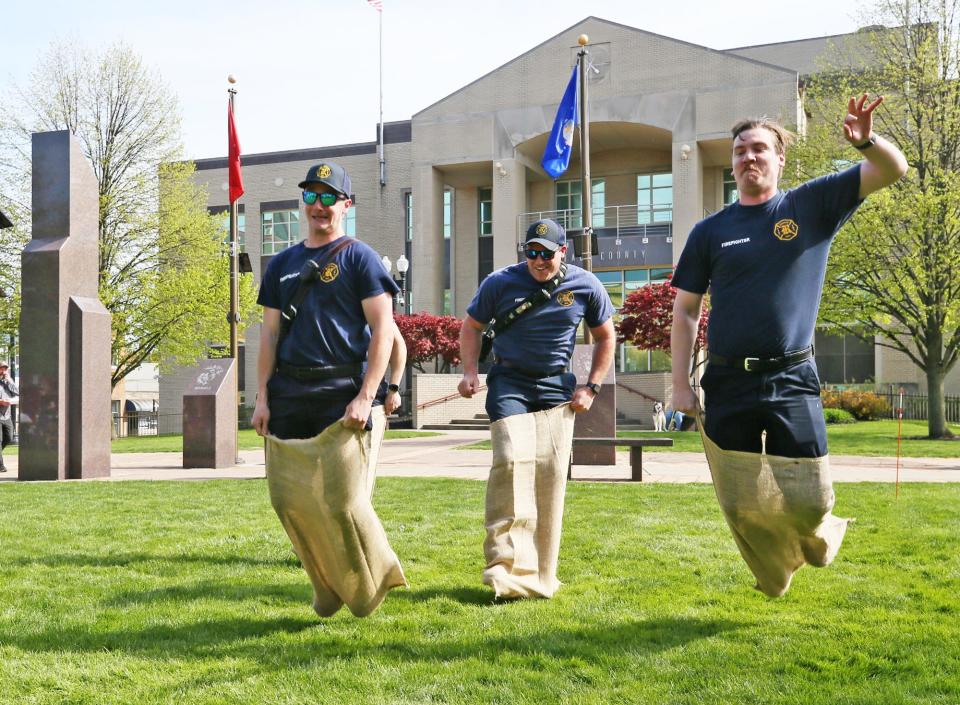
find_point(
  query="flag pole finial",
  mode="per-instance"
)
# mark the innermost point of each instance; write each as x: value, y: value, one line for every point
x: 231, y: 78
x: 582, y: 40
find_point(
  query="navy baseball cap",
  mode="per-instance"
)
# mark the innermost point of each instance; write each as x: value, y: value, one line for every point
x: 331, y: 174
x: 548, y: 233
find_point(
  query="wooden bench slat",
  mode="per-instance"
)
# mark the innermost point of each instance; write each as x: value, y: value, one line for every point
x: 636, y: 446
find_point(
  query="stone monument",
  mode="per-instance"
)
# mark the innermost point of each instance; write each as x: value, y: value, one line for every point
x: 210, y: 416
x: 64, y: 328
x: 601, y: 420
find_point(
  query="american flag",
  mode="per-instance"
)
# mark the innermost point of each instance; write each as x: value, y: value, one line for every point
x: 376, y: 5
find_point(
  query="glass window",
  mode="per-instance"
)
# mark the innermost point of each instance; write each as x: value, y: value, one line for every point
x: 730, y: 193
x: 635, y: 278
x: 658, y: 276
x: 241, y: 230
x: 447, y: 214
x: 654, y: 198
x: 350, y: 222
x: 570, y: 202
x: 447, y: 308
x: 613, y: 283
x: 485, y: 216
x: 280, y: 230
x: 408, y: 215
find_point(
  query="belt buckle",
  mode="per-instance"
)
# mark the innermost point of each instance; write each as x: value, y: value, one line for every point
x: 747, y: 361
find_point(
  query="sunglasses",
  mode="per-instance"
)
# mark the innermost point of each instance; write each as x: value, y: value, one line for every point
x: 326, y: 199
x: 543, y: 254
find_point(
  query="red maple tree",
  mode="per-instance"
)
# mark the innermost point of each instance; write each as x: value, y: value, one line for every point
x: 647, y: 319
x: 430, y: 338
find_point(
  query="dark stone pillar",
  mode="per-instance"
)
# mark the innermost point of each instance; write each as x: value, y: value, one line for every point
x: 64, y: 329
x: 210, y: 416
x: 601, y: 420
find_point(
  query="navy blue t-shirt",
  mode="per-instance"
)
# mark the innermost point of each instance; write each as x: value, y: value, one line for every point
x: 765, y: 265
x: 542, y: 338
x: 330, y: 328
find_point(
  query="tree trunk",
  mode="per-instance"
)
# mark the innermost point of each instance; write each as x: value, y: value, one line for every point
x: 936, y: 408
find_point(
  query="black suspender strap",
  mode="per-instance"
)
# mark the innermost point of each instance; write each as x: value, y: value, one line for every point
x: 309, y: 273
x: 537, y: 298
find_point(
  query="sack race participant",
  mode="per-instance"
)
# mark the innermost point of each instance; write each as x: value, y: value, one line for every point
x: 528, y: 314
x: 764, y: 259
x: 325, y: 342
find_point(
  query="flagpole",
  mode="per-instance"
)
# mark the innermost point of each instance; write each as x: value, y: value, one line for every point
x: 234, y: 288
x: 383, y: 164
x: 585, y: 185
x: 234, y: 315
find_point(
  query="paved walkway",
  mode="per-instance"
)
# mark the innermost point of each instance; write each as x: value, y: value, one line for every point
x: 437, y: 456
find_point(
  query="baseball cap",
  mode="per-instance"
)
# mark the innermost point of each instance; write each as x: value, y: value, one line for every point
x: 548, y: 233
x: 3, y: 364
x: 331, y: 174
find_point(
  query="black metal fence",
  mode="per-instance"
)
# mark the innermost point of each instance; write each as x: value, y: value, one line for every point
x: 146, y: 423
x: 915, y: 406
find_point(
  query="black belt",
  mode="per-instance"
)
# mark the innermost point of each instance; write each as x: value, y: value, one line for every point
x: 526, y: 372
x: 762, y: 364
x: 350, y: 369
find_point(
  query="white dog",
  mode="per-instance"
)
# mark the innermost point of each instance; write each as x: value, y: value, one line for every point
x: 659, y: 418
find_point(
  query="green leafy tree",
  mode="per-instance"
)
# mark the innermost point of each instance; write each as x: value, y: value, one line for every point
x: 163, y: 271
x: 894, y: 269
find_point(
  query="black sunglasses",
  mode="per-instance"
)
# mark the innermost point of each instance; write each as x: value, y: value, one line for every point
x: 544, y: 254
x: 326, y: 199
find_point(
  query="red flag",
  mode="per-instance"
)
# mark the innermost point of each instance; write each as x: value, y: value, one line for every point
x: 233, y: 157
x: 376, y: 5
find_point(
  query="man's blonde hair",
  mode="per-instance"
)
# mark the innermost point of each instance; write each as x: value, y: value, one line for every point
x: 782, y: 136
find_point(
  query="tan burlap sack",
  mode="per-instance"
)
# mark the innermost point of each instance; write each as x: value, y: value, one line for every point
x: 524, y: 510
x: 321, y: 488
x: 779, y: 510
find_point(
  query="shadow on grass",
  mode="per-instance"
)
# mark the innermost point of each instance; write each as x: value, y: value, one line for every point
x: 463, y: 595
x: 123, y: 560
x: 338, y: 639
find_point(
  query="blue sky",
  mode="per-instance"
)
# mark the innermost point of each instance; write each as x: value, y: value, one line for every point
x: 308, y: 70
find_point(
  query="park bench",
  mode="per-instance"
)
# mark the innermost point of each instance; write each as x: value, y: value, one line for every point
x: 636, y: 451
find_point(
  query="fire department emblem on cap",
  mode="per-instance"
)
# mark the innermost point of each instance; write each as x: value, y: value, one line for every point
x: 542, y: 229
x: 786, y: 229
x: 329, y: 273
x: 565, y: 298
x: 324, y: 171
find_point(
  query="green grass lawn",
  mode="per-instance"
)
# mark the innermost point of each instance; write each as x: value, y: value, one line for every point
x: 875, y: 438
x: 164, y: 592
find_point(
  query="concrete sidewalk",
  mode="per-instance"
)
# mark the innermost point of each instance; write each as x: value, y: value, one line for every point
x: 436, y: 456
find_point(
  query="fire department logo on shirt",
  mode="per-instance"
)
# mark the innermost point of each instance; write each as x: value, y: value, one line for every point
x: 565, y: 298
x: 542, y: 229
x: 324, y: 171
x: 329, y: 273
x: 786, y: 229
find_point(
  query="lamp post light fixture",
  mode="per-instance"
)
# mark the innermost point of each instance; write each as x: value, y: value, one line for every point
x: 403, y: 264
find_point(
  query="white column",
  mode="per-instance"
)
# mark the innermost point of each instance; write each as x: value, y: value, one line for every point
x: 509, y: 201
x: 427, y: 266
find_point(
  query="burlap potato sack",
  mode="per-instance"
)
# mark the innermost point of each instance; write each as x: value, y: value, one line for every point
x: 524, y: 506
x: 321, y: 489
x: 779, y: 510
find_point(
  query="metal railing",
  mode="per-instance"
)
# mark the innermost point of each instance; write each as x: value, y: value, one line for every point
x: 618, y: 221
x: 146, y: 423
x: 916, y: 406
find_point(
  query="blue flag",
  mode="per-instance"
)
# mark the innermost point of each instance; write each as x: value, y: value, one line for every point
x: 556, y: 157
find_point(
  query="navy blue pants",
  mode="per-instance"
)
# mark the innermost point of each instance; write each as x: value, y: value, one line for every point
x: 511, y: 391
x: 302, y: 409
x: 740, y: 405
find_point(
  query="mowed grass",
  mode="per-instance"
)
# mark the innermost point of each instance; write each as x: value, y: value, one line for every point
x: 165, y: 592
x: 873, y: 438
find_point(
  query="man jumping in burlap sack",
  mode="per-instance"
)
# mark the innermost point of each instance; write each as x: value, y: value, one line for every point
x: 327, y: 336
x: 530, y: 311
x: 764, y: 259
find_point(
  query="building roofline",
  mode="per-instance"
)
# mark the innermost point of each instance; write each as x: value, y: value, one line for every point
x: 722, y: 52
x: 396, y: 132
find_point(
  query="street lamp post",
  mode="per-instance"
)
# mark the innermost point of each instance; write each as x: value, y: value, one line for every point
x: 403, y: 264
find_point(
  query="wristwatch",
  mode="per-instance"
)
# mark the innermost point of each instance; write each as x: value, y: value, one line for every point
x: 393, y: 387
x: 593, y: 387
x: 872, y: 140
